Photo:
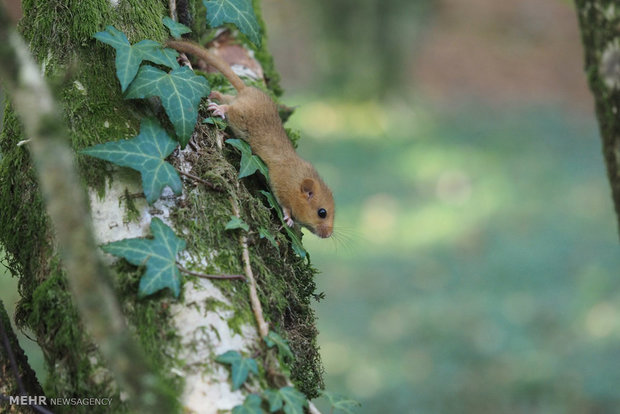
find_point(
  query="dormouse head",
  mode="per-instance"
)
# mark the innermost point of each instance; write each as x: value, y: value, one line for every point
x: 316, y: 210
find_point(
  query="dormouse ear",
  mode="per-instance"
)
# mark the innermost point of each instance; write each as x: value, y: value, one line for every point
x: 307, y: 188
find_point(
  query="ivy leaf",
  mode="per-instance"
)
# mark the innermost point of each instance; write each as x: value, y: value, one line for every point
x: 176, y: 29
x: 240, y: 367
x: 295, y: 241
x: 158, y: 254
x: 250, y: 163
x: 292, y: 400
x: 341, y: 403
x: 274, y: 399
x: 236, y: 223
x: 251, y: 405
x: 238, y: 12
x: 129, y: 58
x: 145, y: 153
x: 180, y: 92
x: 265, y: 234
x: 273, y: 339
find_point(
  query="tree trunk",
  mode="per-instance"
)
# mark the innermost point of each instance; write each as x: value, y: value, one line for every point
x: 599, y: 20
x: 180, y: 337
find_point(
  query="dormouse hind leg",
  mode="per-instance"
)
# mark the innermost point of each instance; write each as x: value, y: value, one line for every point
x: 218, y: 110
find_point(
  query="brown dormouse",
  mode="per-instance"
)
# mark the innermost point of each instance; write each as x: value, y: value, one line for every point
x: 253, y: 116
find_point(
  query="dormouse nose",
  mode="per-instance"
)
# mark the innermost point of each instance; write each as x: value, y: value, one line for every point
x: 324, y: 232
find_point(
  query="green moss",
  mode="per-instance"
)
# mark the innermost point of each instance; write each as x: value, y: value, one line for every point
x: 240, y: 317
x: 97, y: 114
x: 264, y: 57
x: 66, y: 345
x: 131, y: 211
x: 131, y: 16
x: 22, y: 214
x: 55, y: 28
x: 199, y: 26
x: 285, y: 290
x: 294, y: 135
x: 211, y: 304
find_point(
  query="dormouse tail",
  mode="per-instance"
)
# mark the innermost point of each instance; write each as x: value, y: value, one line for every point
x: 210, y: 58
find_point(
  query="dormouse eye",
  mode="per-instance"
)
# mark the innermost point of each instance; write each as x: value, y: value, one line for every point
x: 322, y: 213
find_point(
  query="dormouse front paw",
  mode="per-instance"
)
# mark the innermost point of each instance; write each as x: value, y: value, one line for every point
x: 287, y: 217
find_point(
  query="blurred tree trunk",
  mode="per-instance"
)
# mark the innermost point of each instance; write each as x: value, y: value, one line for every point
x: 180, y: 337
x: 369, y: 43
x: 599, y: 21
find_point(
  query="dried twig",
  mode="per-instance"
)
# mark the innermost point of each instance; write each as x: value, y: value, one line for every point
x: 200, y: 180
x: 172, y: 5
x: 263, y: 327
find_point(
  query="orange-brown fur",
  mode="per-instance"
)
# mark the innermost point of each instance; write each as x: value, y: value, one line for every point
x: 254, y: 117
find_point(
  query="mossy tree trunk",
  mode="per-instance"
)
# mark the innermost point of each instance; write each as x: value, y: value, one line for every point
x: 599, y: 21
x: 181, y: 337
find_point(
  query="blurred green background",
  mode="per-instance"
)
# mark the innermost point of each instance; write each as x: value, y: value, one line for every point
x: 476, y: 260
